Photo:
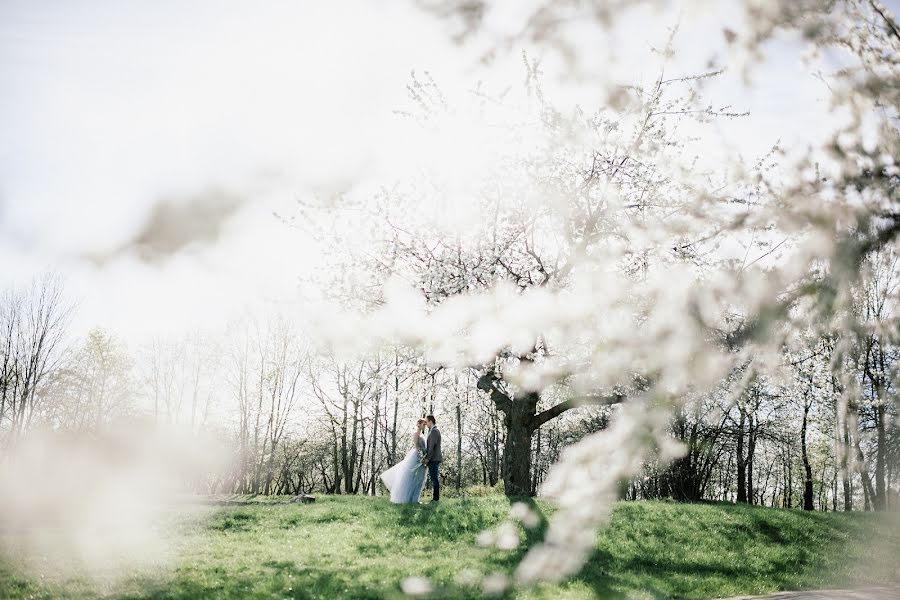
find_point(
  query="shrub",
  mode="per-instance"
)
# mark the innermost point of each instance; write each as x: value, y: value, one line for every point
x: 478, y: 491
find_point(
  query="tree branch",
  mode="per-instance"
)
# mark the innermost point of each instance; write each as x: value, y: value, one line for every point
x: 888, y: 21
x: 488, y: 383
x: 554, y: 411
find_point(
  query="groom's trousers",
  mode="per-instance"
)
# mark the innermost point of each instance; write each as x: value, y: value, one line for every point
x: 435, y: 482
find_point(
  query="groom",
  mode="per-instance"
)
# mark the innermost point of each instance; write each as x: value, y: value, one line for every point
x: 433, y: 456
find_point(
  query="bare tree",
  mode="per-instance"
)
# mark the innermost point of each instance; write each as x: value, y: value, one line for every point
x: 33, y: 328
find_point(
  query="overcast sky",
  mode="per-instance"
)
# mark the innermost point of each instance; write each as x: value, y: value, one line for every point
x: 118, y: 119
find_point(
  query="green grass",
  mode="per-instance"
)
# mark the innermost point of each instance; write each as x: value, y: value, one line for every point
x: 355, y: 547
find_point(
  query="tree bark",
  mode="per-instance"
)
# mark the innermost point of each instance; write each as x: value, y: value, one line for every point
x: 751, y: 451
x: 880, y: 489
x: 845, y: 472
x: 517, y: 448
x: 741, y: 465
x: 521, y: 420
x: 459, y: 436
x: 396, y: 408
x: 808, y: 481
x: 373, y: 449
x: 536, y: 463
x: 862, y: 468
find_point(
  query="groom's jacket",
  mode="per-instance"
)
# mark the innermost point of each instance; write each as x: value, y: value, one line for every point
x: 433, y: 447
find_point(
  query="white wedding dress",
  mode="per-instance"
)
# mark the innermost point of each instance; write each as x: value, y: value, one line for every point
x: 405, y: 479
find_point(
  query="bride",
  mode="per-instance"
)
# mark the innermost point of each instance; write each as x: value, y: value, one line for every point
x: 405, y: 479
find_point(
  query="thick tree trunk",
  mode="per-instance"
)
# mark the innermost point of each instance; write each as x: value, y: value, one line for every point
x: 336, y: 464
x: 373, y: 452
x: 517, y: 450
x: 845, y: 472
x: 784, y: 477
x: 396, y: 409
x: 521, y: 419
x: 808, y: 481
x: 355, y: 466
x: 741, y: 465
x: 725, y: 479
x: 346, y: 465
x: 790, y: 466
x: 751, y: 451
x: 878, y: 374
x: 834, y: 493
x: 868, y: 490
x: 880, y: 494
x: 458, y: 447
x: 536, y: 463
x: 842, y: 448
x: 493, y: 445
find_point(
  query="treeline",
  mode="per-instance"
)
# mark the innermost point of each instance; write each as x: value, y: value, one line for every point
x: 821, y: 433
x: 301, y: 420
x: 298, y: 419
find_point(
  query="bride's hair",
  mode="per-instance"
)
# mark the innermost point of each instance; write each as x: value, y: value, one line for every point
x: 420, y: 422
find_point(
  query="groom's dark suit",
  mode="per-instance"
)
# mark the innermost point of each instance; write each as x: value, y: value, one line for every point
x: 433, y: 458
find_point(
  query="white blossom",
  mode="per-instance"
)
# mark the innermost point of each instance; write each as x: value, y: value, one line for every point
x: 416, y: 586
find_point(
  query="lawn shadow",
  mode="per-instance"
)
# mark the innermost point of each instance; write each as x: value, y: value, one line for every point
x: 281, y: 579
x: 533, y: 535
x: 450, y: 520
x: 460, y: 520
x: 592, y: 574
x: 650, y: 568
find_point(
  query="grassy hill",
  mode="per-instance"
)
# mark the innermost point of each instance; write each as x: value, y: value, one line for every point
x: 357, y: 547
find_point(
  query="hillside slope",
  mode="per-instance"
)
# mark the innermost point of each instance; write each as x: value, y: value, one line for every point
x: 358, y: 547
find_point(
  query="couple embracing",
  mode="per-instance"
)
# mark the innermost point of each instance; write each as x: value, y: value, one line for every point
x: 405, y: 479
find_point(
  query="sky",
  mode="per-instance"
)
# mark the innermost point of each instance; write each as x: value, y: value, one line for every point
x: 116, y: 110
x: 145, y: 146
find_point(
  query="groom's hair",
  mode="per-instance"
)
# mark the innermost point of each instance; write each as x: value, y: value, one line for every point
x: 430, y: 419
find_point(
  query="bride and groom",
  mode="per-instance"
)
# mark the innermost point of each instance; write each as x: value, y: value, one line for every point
x: 405, y: 479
